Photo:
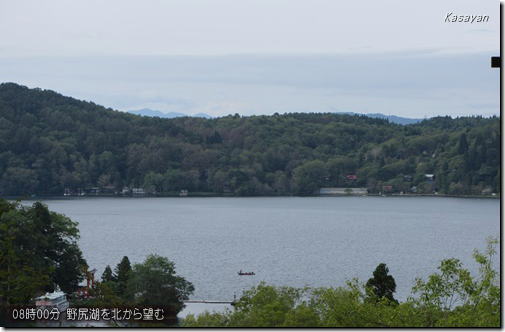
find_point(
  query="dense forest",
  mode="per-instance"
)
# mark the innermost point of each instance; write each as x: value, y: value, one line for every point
x: 50, y: 144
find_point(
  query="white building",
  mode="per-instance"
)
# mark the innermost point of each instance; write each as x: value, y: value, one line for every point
x: 138, y: 191
x: 343, y: 191
x: 57, y: 299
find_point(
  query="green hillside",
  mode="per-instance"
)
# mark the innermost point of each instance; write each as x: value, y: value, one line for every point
x: 49, y: 143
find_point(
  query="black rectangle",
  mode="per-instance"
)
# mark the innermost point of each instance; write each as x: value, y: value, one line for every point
x: 496, y: 62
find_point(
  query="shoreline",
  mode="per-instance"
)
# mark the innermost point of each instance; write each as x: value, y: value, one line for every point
x: 214, y: 195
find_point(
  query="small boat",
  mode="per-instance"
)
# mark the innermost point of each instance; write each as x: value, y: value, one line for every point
x: 240, y: 273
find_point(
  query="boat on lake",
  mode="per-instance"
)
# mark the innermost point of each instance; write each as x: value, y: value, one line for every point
x: 240, y: 273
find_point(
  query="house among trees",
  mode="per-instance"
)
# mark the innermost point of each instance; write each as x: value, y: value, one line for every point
x: 487, y: 191
x: 108, y: 189
x: 74, y: 192
x: 387, y: 188
x: 138, y: 191
x: 84, y: 291
x: 94, y: 191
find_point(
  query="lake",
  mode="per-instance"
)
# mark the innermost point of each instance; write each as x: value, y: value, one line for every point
x: 292, y: 241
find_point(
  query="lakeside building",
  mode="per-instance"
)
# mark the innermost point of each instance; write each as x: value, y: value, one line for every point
x: 84, y: 291
x: 387, y: 188
x: 138, y: 191
x: 74, y: 192
x: 56, y: 299
x: 342, y: 191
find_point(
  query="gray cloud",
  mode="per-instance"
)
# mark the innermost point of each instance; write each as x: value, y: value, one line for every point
x: 256, y: 56
x: 201, y: 27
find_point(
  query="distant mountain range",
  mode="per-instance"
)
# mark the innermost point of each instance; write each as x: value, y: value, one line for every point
x: 169, y: 115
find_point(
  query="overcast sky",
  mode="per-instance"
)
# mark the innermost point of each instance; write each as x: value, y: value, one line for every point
x: 257, y: 57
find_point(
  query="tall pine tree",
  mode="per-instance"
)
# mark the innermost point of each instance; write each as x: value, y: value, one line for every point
x: 107, y: 274
x: 122, y: 274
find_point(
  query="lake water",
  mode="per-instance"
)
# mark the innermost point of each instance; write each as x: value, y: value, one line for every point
x: 292, y: 241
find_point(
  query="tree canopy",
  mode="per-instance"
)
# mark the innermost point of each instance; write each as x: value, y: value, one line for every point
x: 38, y: 252
x: 382, y: 285
x: 155, y: 283
x: 122, y: 274
x: 107, y: 274
x: 49, y: 143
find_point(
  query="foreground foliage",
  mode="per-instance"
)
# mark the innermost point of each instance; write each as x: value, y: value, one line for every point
x: 38, y: 252
x: 152, y: 283
x: 49, y: 143
x: 155, y: 283
x: 452, y: 297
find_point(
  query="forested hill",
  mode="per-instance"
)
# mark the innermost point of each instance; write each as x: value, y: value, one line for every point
x: 49, y: 143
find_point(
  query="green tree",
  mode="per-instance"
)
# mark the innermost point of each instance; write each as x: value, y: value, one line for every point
x: 122, y: 274
x: 452, y: 297
x: 382, y: 285
x: 38, y: 252
x: 107, y: 274
x: 263, y: 306
x: 155, y: 283
x: 463, y: 144
x: 107, y: 296
x: 68, y: 272
x: 268, y: 306
x: 57, y: 243
x: 310, y: 176
x: 21, y: 278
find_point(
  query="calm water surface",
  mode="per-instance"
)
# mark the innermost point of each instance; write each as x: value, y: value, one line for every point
x: 293, y: 241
